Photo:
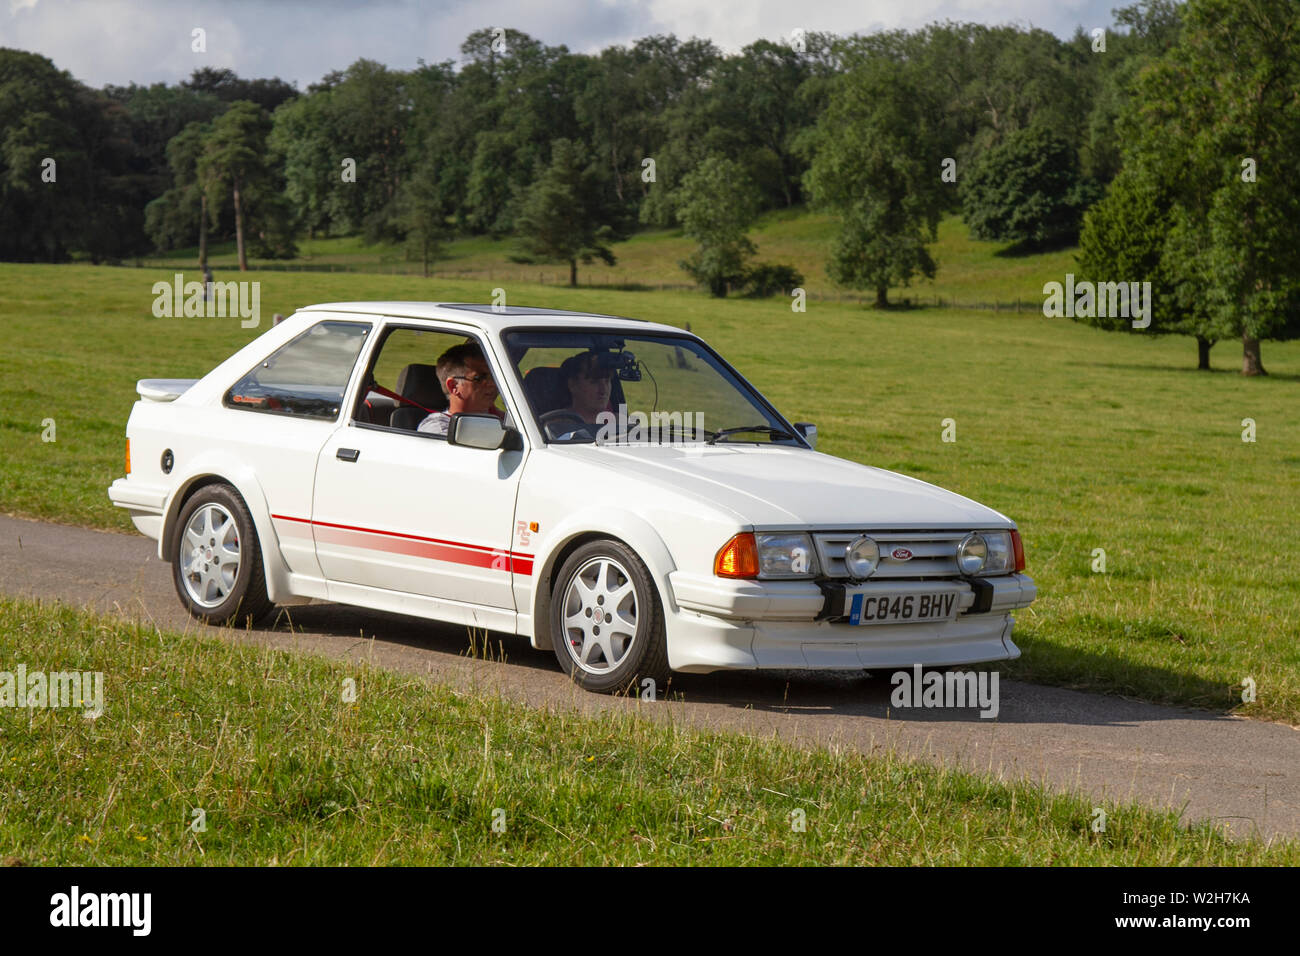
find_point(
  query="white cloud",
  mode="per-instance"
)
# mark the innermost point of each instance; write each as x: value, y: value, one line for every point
x: 143, y: 41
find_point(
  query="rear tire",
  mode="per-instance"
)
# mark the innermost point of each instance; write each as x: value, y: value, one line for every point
x: 607, y: 623
x: 216, y: 559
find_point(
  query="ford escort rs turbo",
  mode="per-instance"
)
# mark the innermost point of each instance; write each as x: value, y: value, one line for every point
x: 608, y: 488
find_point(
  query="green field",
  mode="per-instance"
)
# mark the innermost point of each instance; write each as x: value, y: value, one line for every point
x: 969, y: 271
x: 1087, y: 439
x: 212, y: 752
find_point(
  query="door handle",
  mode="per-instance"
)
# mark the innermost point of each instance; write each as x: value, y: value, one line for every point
x: 348, y: 454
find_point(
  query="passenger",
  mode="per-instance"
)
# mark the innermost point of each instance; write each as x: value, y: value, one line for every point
x: 467, y: 382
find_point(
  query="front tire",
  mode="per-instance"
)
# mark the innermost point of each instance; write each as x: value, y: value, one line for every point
x: 216, y: 559
x: 607, y: 623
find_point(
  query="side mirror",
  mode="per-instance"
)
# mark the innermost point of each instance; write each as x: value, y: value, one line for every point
x: 481, y: 430
x: 809, y: 432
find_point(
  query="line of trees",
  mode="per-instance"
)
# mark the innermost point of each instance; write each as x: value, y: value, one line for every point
x: 378, y: 152
x: 1134, y: 136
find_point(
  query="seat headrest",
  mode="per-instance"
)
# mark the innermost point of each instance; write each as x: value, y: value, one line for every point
x: 546, y: 389
x: 419, y: 383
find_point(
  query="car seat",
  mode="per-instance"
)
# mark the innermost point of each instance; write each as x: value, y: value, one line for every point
x: 419, y: 383
x: 546, y: 389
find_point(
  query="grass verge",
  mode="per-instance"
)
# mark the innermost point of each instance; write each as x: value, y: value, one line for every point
x: 285, y: 772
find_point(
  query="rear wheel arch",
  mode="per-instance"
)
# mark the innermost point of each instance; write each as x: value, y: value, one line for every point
x: 177, y: 504
x: 216, y: 557
x: 250, y: 493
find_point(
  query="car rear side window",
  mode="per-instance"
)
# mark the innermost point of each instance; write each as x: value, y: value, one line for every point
x: 305, y: 377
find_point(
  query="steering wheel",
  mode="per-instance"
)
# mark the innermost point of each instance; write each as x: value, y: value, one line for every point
x: 559, y: 415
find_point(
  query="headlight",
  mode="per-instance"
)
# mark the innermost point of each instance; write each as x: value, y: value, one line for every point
x: 784, y: 555
x: 971, y: 554
x: 986, y: 552
x: 862, y: 557
x: 1002, y: 556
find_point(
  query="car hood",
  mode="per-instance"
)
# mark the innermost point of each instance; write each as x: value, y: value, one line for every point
x: 772, y: 487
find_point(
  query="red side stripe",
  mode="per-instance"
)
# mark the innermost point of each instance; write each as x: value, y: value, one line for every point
x: 395, y: 542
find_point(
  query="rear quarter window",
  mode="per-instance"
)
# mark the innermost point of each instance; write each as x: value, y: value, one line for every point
x: 305, y: 377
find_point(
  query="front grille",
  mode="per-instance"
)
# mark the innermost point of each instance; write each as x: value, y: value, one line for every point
x: 934, y: 553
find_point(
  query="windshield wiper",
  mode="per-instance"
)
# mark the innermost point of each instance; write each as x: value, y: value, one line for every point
x: 768, y: 429
x: 669, y: 434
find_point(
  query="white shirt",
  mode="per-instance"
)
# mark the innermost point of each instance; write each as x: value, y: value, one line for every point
x: 436, y: 423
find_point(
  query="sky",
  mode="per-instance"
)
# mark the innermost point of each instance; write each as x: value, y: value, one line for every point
x: 146, y: 41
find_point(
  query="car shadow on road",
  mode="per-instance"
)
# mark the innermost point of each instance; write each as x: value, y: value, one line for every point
x: 836, y: 694
x: 878, y: 694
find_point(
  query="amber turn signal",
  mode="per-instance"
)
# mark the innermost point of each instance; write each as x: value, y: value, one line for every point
x: 128, y: 456
x: 738, y: 558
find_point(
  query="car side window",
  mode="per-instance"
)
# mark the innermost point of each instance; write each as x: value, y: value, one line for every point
x: 305, y: 377
x: 402, y: 388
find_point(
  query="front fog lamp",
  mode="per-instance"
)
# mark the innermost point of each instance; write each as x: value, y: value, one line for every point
x: 861, y: 558
x: 972, y: 553
x: 785, y: 556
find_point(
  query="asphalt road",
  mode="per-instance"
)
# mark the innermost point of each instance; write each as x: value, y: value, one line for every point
x: 1244, y: 773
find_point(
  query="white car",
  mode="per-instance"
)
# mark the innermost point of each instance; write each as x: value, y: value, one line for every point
x: 690, y: 527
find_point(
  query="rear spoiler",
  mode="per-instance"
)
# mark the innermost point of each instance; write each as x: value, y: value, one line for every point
x: 163, y: 389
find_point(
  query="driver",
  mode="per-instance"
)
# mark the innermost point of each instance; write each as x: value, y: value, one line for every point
x: 589, y: 386
x: 467, y: 382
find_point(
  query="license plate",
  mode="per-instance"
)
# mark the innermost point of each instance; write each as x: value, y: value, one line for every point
x: 902, y: 608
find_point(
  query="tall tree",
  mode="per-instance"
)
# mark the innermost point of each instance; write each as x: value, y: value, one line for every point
x: 877, y: 167
x: 519, y: 94
x: 565, y: 215
x: 173, y: 218
x: 716, y: 203
x: 345, y: 150
x: 423, y: 213
x: 1123, y: 239
x: 1217, y: 118
x: 234, y: 161
x: 1027, y: 189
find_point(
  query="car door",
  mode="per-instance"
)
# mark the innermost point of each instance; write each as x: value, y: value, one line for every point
x: 277, y: 417
x: 409, y: 512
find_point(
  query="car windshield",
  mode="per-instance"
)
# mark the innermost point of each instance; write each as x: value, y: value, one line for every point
x: 618, y: 387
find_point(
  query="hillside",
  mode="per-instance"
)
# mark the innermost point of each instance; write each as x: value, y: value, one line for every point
x: 970, y: 272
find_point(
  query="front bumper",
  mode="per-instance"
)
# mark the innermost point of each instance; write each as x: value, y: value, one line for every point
x: 721, y: 624
x: 810, y: 600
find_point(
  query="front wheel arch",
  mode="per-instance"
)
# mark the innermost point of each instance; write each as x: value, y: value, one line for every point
x: 651, y: 550
x: 621, y: 573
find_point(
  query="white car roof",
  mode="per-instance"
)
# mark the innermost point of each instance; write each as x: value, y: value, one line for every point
x: 492, y: 319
